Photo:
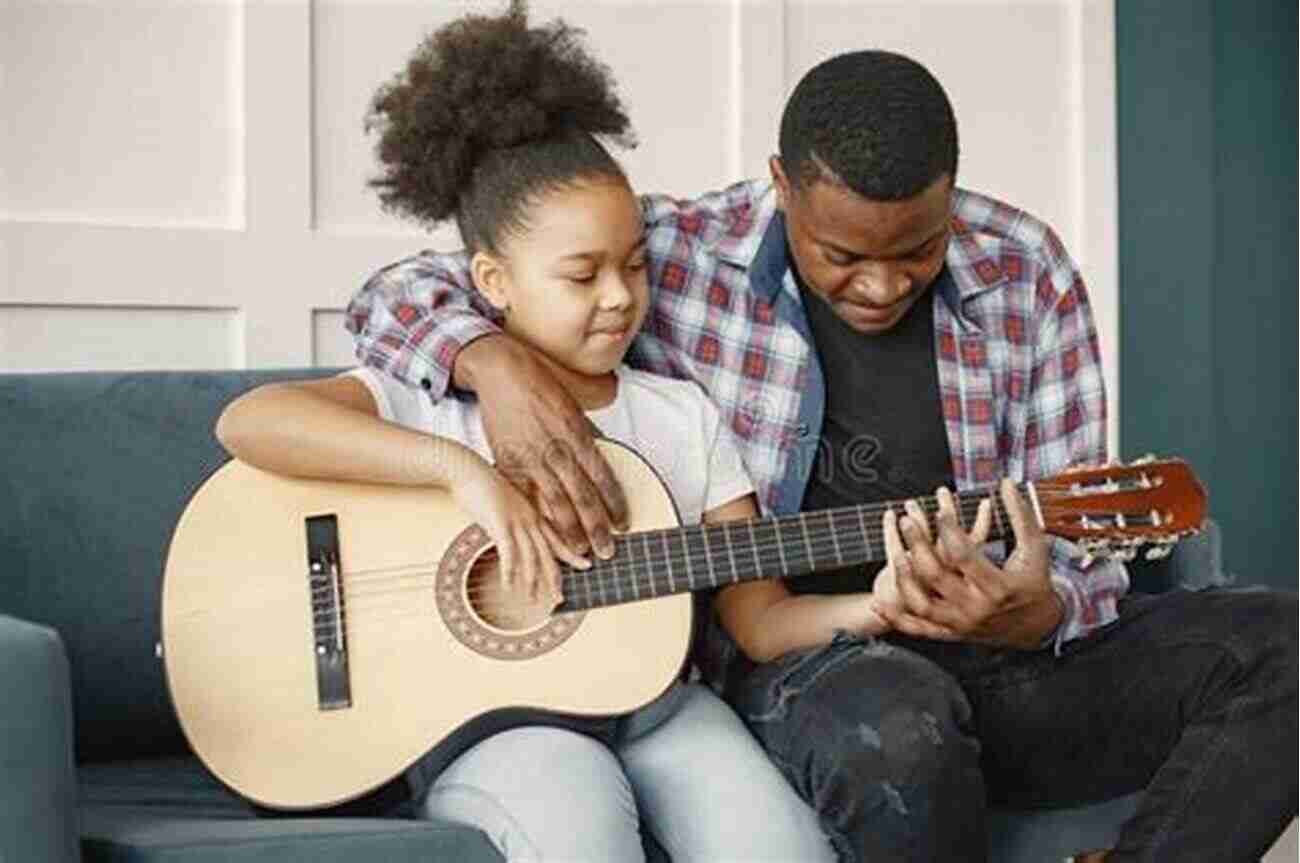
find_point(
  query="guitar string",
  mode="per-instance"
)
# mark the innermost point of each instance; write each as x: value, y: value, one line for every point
x: 635, y: 594
x: 969, y: 511
x: 968, y: 505
x: 639, y: 559
x: 656, y: 539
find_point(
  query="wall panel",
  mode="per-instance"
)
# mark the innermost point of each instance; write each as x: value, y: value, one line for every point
x: 211, y: 153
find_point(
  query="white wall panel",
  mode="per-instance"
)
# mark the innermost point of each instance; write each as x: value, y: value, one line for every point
x: 211, y: 153
x: 57, y: 338
x: 679, y: 109
x: 1007, y: 84
x: 331, y: 344
x: 123, y: 112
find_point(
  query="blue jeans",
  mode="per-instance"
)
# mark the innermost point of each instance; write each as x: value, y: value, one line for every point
x: 684, y: 766
x: 900, y: 743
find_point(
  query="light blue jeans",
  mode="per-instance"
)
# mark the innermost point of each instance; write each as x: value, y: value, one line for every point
x: 685, y: 766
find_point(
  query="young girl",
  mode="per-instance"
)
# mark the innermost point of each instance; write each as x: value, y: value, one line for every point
x: 493, y: 123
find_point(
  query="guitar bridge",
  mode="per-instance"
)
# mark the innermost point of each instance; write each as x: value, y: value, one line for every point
x: 328, y: 614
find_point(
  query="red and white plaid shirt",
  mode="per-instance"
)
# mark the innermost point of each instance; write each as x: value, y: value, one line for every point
x: 1019, y: 366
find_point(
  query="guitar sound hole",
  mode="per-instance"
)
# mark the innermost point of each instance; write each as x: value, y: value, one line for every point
x: 507, y: 608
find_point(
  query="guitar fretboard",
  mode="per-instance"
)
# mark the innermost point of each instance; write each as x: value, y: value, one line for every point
x: 656, y: 563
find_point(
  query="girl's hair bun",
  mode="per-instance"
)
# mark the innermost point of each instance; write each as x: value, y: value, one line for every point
x: 479, y: 85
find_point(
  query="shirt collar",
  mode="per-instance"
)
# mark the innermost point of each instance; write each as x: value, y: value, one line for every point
x: 752, y: 225
x: 974, y: 270
x: 770, y: 263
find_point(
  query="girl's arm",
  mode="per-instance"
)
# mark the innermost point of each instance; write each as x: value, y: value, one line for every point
x: 766, y: 620
x: 331, y: 429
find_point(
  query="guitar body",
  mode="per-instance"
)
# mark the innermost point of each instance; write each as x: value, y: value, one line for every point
x: 302, y: 689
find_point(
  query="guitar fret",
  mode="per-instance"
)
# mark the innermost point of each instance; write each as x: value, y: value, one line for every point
x: 649, y: 564
x: 997, y: 516
x: 686, y: 549
x: 600, y: 578
x: 753, y: 546
x: 780, y: 547
x: 726, y: 534
x: 835, y: 540
x: 866, y: 534
x: 708, y: 557
x: 803, y: 526
x: 668, y: 562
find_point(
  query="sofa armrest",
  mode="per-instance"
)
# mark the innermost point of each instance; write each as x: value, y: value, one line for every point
x: 38, y: 787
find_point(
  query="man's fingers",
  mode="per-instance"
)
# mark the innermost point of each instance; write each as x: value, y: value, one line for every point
x: 1023, y: 522
x: 553, y: 499
x: 930, y: 568
x: 909, y: 624
x: 952, y: 543
x: 587, y: 503
x: 559, y: 548
x: 602, y: 477
x: 918, y: 516
x: 983, y: 522
x: 913, y: 595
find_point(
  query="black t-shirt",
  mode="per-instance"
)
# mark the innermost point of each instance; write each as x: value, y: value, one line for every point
x: 883, y: 434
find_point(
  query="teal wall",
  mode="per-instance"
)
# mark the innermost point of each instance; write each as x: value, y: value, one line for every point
x: 1206, y: 124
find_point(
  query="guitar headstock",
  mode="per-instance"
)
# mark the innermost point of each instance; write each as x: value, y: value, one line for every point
x: 1111, y: 510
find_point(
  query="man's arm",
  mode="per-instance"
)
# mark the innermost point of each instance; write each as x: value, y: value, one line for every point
x: 422, y: 322
x: 411, y: 320
x: 1067, y: 416
x: 1042, y: 594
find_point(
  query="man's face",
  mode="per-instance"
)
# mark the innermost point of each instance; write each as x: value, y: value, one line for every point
x: 870, y: 260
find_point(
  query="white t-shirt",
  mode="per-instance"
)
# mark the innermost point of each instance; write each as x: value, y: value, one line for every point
x: 671, y: 423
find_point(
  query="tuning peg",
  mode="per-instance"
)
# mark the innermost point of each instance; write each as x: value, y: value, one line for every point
x: 1146, y: 459
x: 1159, y: 551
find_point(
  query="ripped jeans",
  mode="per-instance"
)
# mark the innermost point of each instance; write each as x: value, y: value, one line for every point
x: 900, y: 744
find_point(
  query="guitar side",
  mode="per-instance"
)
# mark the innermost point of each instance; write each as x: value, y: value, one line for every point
x: 241, y: 635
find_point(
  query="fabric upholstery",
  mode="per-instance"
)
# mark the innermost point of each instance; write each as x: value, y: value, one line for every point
x: 37, y: 788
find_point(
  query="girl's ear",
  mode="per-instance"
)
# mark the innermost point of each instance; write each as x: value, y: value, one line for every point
x: 491, y: 279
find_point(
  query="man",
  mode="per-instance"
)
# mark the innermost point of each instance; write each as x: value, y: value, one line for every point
x: 872, y: 332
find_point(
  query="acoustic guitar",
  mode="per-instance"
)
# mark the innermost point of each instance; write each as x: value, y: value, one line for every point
x: 319, y: 637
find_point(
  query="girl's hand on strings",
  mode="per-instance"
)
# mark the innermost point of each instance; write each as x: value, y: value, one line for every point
x: 527, y: 546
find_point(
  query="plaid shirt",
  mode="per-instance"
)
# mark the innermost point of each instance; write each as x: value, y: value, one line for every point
x: 1019, y: 366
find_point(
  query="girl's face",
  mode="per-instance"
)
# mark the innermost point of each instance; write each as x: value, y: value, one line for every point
x: 572, y: 282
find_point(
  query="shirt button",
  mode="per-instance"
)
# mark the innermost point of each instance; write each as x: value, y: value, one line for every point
x: 803, y: 429
x: 426, y: 384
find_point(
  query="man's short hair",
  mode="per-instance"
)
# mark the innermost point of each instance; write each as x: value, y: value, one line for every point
x: 876, y: 122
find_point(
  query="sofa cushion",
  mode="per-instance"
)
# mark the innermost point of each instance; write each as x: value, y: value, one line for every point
x: 94, y: 472
x: 172, y: 811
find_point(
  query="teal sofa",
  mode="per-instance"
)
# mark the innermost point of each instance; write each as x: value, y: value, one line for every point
x: 94, y: 471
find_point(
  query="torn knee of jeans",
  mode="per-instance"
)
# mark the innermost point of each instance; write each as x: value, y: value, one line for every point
x: 804, y: 671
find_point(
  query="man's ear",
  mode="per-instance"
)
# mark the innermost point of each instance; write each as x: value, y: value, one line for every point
x: 780, y: 181
x: 490, y: 277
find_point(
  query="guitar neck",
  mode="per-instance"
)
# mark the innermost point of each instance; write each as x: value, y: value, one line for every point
x: 676, y: 560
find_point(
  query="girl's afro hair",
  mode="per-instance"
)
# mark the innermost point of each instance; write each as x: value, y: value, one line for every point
x: 477, y: 85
